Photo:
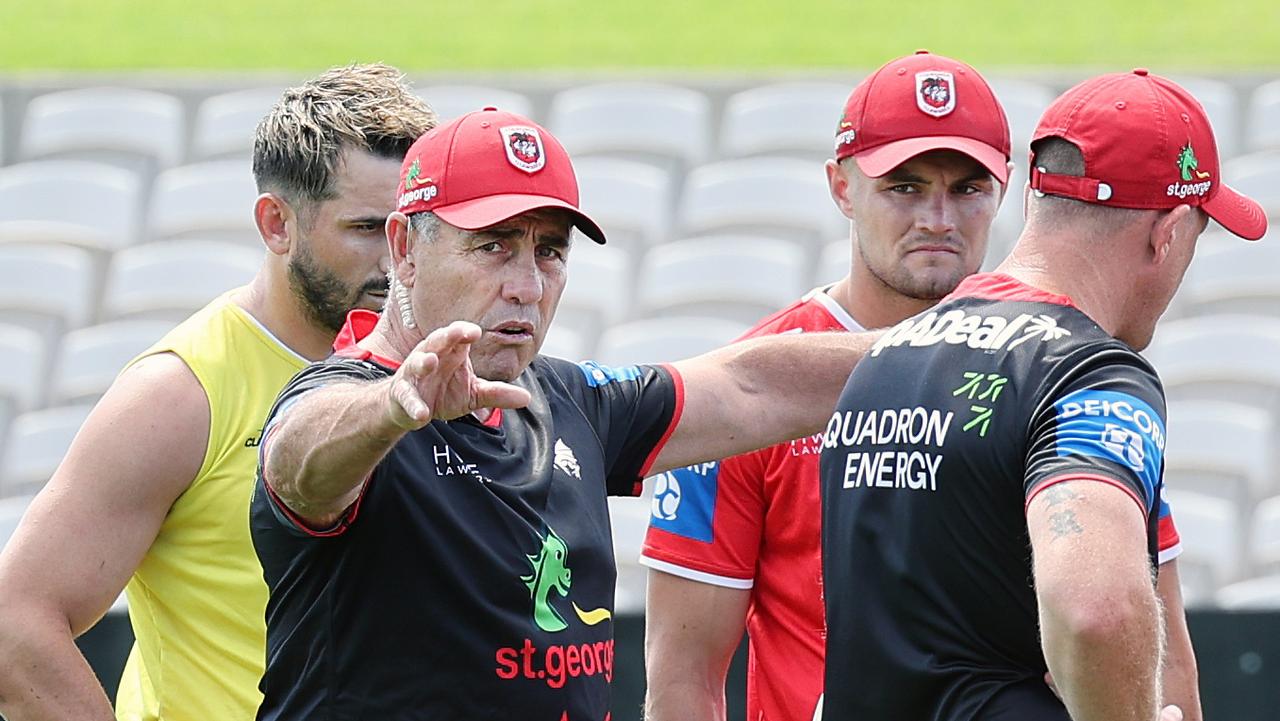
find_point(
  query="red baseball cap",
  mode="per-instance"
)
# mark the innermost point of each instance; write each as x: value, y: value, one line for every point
x: 1147, y: 144
x: 919, y: 103
x: 487, y: 166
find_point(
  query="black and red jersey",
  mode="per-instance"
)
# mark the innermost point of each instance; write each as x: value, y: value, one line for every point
x: 946, y: 430
x: 474, y: 578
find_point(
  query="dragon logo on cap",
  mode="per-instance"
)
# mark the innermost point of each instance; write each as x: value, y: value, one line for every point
x: 524, y: 147
x: 935, y: 93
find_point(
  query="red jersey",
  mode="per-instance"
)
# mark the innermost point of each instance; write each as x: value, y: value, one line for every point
x: 754, y: 522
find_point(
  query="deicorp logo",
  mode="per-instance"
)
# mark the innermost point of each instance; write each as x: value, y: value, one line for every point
x: 549, y: 581
x: 1114, y: 426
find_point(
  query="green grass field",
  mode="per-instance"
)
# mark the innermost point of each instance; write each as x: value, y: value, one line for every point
x: 445, y: 35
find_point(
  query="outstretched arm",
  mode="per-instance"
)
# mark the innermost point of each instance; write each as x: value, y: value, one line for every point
x: 760, y: 392
x: 323, y: 447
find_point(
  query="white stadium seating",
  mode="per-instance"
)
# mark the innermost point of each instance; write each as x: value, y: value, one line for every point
x: 1263, y: 131
x: 172, y: 280
x: 105, y: 122
x: 95, y: 205
x: 225, y: 123
x: 631, y: 201
x: 776, y: 196
x: 90, y: 358
x: 738, y: 277
x: 213, y: 199
x: 796, y: 118
x: 648, y: 120
x: 451, y: 101
x: 36, y: 443
x: 660, y: 340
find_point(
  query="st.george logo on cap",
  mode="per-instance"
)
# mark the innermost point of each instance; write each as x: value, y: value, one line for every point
x: 488, y: 166
x: 1147, y: 144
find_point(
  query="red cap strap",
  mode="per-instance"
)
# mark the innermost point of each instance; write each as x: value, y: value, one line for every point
x: 1090, y: 190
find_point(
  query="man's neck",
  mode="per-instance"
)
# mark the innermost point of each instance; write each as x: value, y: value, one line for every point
x: 871, y: 303
x: 1065, y: 268
x: 269, y: 299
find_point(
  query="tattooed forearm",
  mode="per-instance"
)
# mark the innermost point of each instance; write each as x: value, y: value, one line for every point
x: 1064, y: 523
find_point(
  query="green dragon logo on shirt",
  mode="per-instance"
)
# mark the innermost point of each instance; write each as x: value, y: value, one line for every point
x: 551, y: 573
x: 1188, y: 164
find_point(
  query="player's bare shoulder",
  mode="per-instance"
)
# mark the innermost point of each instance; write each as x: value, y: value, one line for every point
x: 148, y: 434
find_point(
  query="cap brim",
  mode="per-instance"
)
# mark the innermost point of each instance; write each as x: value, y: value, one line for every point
x: 484, y: 212
x: 1237, y: 213
x: 881, y: 159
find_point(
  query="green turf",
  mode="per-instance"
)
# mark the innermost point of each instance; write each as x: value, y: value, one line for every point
x: 436, y: 35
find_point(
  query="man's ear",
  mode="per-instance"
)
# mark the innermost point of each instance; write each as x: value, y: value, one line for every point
x: 1166, y: 229
x: 838, y: 185
x: 272, y: 214
x: 400, y: 243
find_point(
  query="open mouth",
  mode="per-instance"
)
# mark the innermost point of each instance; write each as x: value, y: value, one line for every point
x: 515, y: 332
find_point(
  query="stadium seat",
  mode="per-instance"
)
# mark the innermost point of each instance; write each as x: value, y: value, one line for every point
x: 659, y: 340
x: 451, y: 101
x: 833, y: 262
x: 1264, y: 537
x: 89, y: 359
x: 1263, y: 132
x: 773, y: 196
x: 598, y: 292
x: 1212, y: 538
x: 1255, y: 594
x: 1221, y: 357
x: 565, y: 341
x: 213, y: 200
x: 225, y: 123
x: 1223, y: 108
x: 1257, y: 175
x: 1220, y: 449
x: 46, y: 287
x: 93, y: 205
x: 1023, y: 102
x: 796, y: 118
x: 23, y: 354
x: 654, y: 122
x: 1009, y: 219
x: 1236, y: 278
x: 172, y: 280
x: 631, y: 201
x: 113, y: 124
x: 11, y: 510
x: 735, y: 277
x: 37, y: 441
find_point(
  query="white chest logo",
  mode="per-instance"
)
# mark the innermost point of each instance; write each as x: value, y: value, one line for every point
x: 566, y: 461
x: 935, y: 93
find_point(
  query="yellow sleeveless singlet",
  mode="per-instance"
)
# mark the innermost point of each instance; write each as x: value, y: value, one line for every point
x: 197, y: 600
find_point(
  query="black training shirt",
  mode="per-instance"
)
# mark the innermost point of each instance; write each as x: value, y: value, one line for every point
x: 945, y: 431
x: 474, y: 577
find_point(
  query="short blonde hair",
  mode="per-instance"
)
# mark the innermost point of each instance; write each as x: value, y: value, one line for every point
x: 299, y: 144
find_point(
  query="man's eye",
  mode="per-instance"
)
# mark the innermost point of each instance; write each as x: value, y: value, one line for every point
x: 548, y: 251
